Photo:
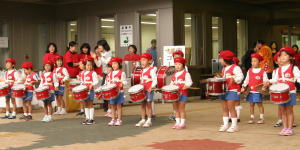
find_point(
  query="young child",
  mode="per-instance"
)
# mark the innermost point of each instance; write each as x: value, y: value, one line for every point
x: 49, y: 79
x: 255, y: 77
x: 149, y: 80
x: 10, y: 78
x: 62, y: 75
x: 289, y: 74
x: 90, y: 79
x: 118, y: 77
x: 278, y: 123
x: 31, y: 79
x: 238, y: 107
x: 234, y: 76
x: 109, y: 110
x: 183, y: 80
x: 80, y: 78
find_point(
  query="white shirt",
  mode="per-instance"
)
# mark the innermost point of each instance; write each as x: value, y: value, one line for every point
x: 55, y: 80
x: 255, y: 70
x: 95, y: 80
x: 65, y: 72
x: 238, y: 74
x: 123, y: 78
x: 153, y: 76
x: 296, y: 73
x: 188, y: 79
x: 106, y: 56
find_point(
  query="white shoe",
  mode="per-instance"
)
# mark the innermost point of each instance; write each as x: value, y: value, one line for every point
x: 112, y: 123
x: 260, y: 121
x: 232, y: 129
x: 63, y: 112
x: 49, y: 119
x: 118, y: 123
x: 141, y: 123
x: 223, y: 128
x: 147, y: 124
x: 45, y: 118
x: 57, y: 113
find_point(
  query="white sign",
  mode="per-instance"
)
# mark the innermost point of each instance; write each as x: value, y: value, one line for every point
x: 168, y: 54
x: 126, y: 35
x: 3, y: 42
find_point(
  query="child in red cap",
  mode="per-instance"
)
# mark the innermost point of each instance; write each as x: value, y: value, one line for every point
x: 80, y: 78
x: 234, y: 76
x: 183, y: 80
x: 11, y: 77
x: 276, y: 59
x: 255, y: 77
x: 149, y: 80
x: 288, y: 74
x: 62, y: 76
x: 117, y: 77
x: 31, y: 79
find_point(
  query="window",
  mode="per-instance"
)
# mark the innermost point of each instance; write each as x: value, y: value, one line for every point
x: 107, y: 32
x: 148, y: 29
x: 72, y: 34
x: 242, y: 44
x: 4, y: 49
x: 217, y: 43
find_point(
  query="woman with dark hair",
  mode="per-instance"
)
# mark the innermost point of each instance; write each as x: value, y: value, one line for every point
x: 297, y: 55
x: 71, y: 60
x: 132, y: 56
x: 51, y: 53
x: 85, y: 50
x: 104, y: 49
x: 274, y: 47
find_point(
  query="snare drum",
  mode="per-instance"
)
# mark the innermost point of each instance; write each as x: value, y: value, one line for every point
x: 42, y: 93
x: 136, y: 75
x: 4, y: 89
x: 109, y: 91
x: 164, y: 74
x: 80, y: 92
x: 98, y: 93
x: 216, y: 86
x: 74, y: 83
x: 170, y: 93
x: 18, y: 91
x: 280, y: 93
x: 137, y: 93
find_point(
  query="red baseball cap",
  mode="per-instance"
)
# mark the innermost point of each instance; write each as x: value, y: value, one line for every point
x: 146, y: 56
x: 179, y: 60
x: 178, y: 52
x: 59, y: 57
x: 227, y: 54
x: 259, y: 57
x: 11, y: 60
x: 116, y: 59
x: 236, y: 60
x: 289, y: 50
x: 27, y: 65
x: 276, y: 56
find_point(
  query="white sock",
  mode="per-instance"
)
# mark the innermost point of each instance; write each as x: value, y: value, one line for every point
x: 14, y: 113
x: 81, y: 110
x: 87, y: 113
x: 7, y: 113
x: 177, y: 121
x: 109, y: 110
x: 229, y: 115
x: 63, y: 109
x: 149, y: 120
x: 252, y: 116
x: 234, y: 122
x: 49, y: 116
x: 92, y: 110
x: 153, y: 107
x: 58, y: 109
x: 225, y: 121
x: 143, y: 120
x: 238, y: 111
x: 261, y: 116
x: 182, y: 121
x: 25, y: 114
x: 29, y: 114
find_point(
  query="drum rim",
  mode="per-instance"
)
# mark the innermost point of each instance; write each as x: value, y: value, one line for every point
x: 80, y: 90
x: 215, y: 79
x: 166, y: 90
x: 107, y: 89
x: 40, y: 89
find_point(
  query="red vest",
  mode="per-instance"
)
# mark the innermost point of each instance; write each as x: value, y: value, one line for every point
x: 60, y: 75
x: 88, y: 79
x: 48, y: 80
x: 288, y: 75
x: 146, y: 79
x: 228, y: 74
x: 255, y: 79
x: 98, y: 70
x: 117, y: 76
x: 81, y: 76
x: 180, y: 82
x: 29, y: 80
x: 10, y: 78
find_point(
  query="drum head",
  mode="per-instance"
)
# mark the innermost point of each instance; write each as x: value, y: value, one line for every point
x: 79, y: 88
x: 3, y: 85
x: 215, y: 79
x: 75, y: 82
x: 164, y: 75
x: 135, y: 88
x: 108, y: 87
x: 18, y: 87
x: 169, y: 88
x: 98, y: 89
x: 43, y: 88
x: 279, y: 87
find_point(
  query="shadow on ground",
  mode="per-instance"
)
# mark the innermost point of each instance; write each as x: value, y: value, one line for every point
x: 70, y: 131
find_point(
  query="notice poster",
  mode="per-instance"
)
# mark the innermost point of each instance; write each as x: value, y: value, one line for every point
x: 3, y: 42
x: 168, y: 54
x: 126, y: 35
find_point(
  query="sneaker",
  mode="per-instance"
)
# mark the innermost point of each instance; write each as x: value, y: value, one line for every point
x: 223, y: 128
x: 283, y: 132
x: 29, y: 117
x: 260, y: 121
x: 56, y: 113
x: 84, y: 121
x: 5, y: 117
x: 80, y: 113
x: 89, y: 122
x: 62, y: 112
x: 22, y: 117
x: 172, y: 118
x: 232, y: 129
x: 12, y: 117
x: 49, y: 119
x: 45, y: 118
x: 147, y: 124
x: 251, y: 121
x: 108, y: 115
x: 289, y: 132
x: 174, y: 126
x: 179, y: 127
x: 140, y: 123
x: 118, y: 123
x: 278, y: 123
x: 111, y: 123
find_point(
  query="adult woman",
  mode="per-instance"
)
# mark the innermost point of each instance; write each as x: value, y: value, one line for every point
x: 132, y: 56
x: 85, y: 50
x: 71, y: 60
x: 51, y: 53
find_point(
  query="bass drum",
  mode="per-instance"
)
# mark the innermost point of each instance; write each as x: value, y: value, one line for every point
x: 164, y: 74
x: 136, y: 75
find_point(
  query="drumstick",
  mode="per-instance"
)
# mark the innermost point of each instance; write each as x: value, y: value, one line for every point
x: 194, y: 88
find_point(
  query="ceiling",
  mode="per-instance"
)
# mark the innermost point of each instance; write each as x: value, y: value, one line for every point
x: 49, y: 2
x: 282, y: 5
